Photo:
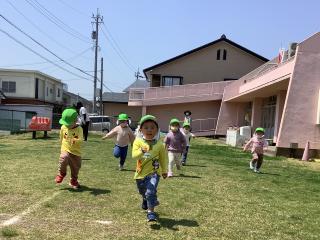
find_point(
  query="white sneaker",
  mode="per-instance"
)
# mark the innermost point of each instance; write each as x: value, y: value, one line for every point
x: 120, y: 167
x: 252, y: 166
x: 170, y: 174
x: 256, y: 170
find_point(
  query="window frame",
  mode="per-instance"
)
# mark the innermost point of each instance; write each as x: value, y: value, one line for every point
x: 163, y: 78
x: 10, y: 88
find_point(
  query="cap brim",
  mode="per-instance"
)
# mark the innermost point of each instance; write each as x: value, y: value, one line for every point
x: 63, y: 122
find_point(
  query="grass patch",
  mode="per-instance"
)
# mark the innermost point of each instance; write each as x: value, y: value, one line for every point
x: 9, y: 232
x: 214, y: 197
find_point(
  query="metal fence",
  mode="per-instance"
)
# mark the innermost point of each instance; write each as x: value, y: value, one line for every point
x: 15, y: 121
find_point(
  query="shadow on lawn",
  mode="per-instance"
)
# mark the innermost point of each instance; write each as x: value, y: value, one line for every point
x: 181, y: 175
x: 128, y: 170
x: 194, y: 165
x: 93, y: 191
x: 173, y: 224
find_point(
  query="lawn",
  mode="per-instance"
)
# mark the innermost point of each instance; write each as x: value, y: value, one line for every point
x: 215, y: 197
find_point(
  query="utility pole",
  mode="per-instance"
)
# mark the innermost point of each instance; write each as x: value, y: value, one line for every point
x: 101, y: 88
x: 95, y: 36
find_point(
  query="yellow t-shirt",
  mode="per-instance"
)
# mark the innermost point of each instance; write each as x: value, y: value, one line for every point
x: 155, y: 160
x: 71, y: 140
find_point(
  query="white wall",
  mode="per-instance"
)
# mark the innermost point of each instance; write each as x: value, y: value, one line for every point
x: 25, y: 84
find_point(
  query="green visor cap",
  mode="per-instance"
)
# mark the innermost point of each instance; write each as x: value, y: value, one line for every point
x: 174, y: 120
x: 259, y: 129
x: 146, y: 118
x: 69, y: 116
x: 186, y: 124
x: 123, y: 117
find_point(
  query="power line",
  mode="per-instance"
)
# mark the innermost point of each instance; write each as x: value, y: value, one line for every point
x: 118, y: 53
x: 44, y: 62
x: 56, y: 21
x: 117, y: 46
x: 40, y: 44
x: 40, y: 30
x: 25, y: 46
x: 74, y: 9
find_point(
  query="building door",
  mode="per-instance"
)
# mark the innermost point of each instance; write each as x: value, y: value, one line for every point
x: 268, y: 116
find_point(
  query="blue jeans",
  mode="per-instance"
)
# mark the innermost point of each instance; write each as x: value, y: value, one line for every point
x: 185, y: 155
x: 120, y: 152
x: 148, y: 189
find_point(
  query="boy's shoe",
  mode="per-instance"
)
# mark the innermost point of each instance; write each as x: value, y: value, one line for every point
x: 256, y: 170
x: 144, y: 204
x: 252, y: 166
x: 120, y: 167
x: 170, y: 174
x: 59, y: 178
x: 74, y: 184
x: 152, y: 217
x: 183, y: 163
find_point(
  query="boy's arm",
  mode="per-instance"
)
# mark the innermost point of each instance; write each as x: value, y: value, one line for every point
x: 131, y: 136
x: 61, y: 135
x: 166, y: 142
x: 184, y: 143
x: 111, y: 134
x: 163, y: 160
x: 246, y: 147
x: 136, y: 150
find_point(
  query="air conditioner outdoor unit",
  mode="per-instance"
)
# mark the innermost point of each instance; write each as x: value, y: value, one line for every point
x: 284, y: 56
x: 292, y: 49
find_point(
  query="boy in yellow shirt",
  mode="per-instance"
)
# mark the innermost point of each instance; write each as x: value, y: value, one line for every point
x: 71, y: 137
x: 152, y: 162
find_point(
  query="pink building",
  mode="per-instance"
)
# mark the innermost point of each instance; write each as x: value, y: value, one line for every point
x: 194, y: 81
x: 281, y: 96
x: 226, y: 85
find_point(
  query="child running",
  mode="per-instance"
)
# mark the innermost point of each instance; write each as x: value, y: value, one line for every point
x: 258, y: 145
x: 150, y: 154
x: 124, y: 136
x: 71, y: 137
x: 188, y: 135
x: 175, y: 143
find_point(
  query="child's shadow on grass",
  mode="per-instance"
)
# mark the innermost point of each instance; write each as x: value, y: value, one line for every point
x: 194, y: 165
x: 93, y: 191
x: 173, y: 224
x: 181, y: 175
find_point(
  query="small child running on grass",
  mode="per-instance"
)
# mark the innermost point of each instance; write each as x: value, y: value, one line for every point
x: 124, y: 136
x: 258, y: 145
x: 151, y: 158
x: 188, y: 135
x: 175, y: 143
x: 71, y: 137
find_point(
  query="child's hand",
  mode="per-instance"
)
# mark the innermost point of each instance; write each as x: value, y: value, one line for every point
x: 104, y: 137
x: 164, y: 175
x: 144, y: 149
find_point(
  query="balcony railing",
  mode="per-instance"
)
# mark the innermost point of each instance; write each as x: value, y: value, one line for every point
x: 178, y: 91
x: 203, y: 125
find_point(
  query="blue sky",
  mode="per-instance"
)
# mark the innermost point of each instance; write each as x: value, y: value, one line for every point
x: 147, y: 32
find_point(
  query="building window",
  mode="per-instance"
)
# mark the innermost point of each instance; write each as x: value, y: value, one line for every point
x: 58, y: 95
x: 8, y: 87
x: 224, y: 54
x: 218, y: 54
x: 51, y: 91
x: 171, y: 81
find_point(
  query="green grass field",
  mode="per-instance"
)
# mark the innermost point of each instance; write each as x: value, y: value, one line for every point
x: 215, y: 197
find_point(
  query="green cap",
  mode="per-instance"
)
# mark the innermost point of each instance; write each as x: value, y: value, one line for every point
x: 146, y: 118
x: 69, y: 116
x: 260, y: 129
x: 174, y: 120
x: 185, y: 124
x: 123, y: 117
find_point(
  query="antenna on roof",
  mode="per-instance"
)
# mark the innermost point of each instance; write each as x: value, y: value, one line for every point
x: 137, y: 75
